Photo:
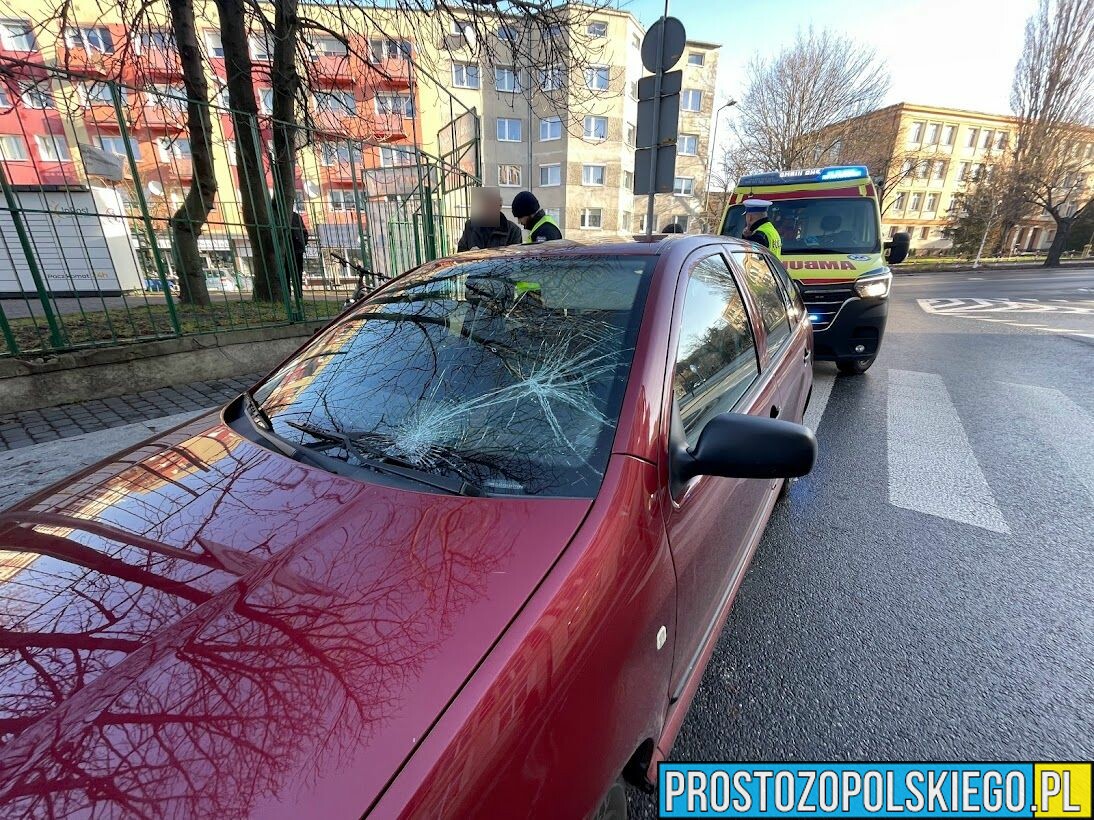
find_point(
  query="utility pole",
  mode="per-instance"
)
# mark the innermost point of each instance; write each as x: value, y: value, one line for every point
x: 711, y: 149
x: 656, y: 120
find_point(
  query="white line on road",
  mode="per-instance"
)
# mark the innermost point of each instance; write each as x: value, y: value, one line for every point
x: 822, y: 391
x: 29, y: 469
x: 932, y: 468
x: 1063, y: 424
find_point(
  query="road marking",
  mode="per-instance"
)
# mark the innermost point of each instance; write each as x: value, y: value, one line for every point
x: 1063, y: 424
x: 29, y: 469
x: 822, y: 391
x: 965, y: 306
x: 932, y: 468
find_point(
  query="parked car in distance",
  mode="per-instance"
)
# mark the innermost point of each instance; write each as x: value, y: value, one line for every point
x: 466, y: 553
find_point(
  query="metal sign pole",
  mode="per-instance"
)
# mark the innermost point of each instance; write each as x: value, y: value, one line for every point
x: 656, y: 122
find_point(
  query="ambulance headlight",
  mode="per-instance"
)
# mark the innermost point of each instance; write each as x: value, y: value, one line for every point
x: 874, y: 286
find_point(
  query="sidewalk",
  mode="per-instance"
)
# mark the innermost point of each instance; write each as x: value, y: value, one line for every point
x: 53, y: 423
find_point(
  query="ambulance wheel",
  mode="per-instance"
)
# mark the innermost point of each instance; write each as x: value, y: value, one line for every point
x: 854, y: 367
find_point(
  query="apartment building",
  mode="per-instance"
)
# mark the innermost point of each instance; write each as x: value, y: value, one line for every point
x: 934, y: 153
x: 572, y: 140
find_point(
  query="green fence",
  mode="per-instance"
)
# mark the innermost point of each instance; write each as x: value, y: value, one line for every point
x: 99, y: 248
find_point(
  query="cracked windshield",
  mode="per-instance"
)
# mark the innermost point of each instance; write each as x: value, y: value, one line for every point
x: 506, y: 373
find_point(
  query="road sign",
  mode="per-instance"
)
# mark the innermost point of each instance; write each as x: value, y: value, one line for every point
x: 672, y: 48
x: 671, y: 83
x: 668, y: 124
x: 664, y: 176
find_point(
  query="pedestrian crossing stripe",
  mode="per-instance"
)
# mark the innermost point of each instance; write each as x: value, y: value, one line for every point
x: 965, y: 307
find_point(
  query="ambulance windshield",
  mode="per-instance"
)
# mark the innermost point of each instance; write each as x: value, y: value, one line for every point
x: 818, y: 226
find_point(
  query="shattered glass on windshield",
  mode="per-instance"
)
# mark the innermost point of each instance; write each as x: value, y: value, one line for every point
x: 507, y: 373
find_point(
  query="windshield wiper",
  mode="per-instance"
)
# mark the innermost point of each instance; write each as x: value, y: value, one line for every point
x: 260, y: 421
x: 383, y: 463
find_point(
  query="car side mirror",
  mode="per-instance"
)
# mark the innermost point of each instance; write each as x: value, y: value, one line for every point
x: 734, y: 445
x: 896, y: 250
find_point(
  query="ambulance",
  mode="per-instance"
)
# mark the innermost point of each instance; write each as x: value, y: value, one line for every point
x: 830, y: 224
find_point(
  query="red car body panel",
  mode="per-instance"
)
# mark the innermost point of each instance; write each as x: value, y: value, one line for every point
x: 203, y: 626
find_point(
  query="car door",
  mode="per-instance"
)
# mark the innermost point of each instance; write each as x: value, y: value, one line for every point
x: 787, y: 357
x: 711, y: 522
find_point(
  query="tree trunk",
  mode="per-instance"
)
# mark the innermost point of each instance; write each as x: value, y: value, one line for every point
x: 189, y: 220
x: 255, y: 205
x: 1059, y: 241
x: 284, y: 81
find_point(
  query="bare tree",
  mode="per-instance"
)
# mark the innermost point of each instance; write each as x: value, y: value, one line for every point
x: 793, y: 99
x: 1053, y: 98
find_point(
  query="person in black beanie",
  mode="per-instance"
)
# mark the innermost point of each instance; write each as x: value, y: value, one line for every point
x: 527, y: 212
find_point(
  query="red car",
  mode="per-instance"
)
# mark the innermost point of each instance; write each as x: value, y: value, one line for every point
x: 466, y: 553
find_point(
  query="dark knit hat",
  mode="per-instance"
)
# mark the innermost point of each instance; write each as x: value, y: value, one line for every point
x: 524, y: 204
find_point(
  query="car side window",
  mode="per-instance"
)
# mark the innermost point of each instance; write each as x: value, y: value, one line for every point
x: 795, y: 307
x: 761, y: 282
x: 716, y: 356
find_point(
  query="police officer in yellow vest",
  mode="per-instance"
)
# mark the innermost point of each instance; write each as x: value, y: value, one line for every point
x: 527, y: 212
x: 758, y: 227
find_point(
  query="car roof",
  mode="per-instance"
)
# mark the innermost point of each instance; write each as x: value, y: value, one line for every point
x: 657, y: 244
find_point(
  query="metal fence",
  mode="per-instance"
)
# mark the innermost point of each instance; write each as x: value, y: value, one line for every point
x: 95, y: 175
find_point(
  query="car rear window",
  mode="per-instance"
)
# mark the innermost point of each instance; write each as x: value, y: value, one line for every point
x: 509, y: 372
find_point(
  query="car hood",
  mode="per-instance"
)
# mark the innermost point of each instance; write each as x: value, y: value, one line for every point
x: 200, y: 626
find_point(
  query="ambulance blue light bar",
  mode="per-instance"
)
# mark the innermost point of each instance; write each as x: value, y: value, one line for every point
x: 830, y: 174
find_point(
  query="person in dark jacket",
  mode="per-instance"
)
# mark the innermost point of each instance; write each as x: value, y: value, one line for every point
x: 298, y: 243
x: 527, y: 212
x: 487, y: 227
x: 672, y: 227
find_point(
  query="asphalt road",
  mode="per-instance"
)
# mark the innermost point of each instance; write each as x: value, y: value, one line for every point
x: 928, y: 591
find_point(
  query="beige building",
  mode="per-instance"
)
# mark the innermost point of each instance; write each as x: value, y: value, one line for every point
x: 934, y: 152
x: 572, y: 141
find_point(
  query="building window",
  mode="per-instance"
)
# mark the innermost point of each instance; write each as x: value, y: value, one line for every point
x: 328, y: 47
x: 592, y: 217
x: 550, y: 78
x: 17, y: 35
x: 632, y: 89
x: 922, y: 169
x: 465, y: 75
x: 696, y: 58
x: 52, y: 148
x: 917, y: 200
x: 507, y: 34
x: 691, y: 99
x: 550, y: 175
x: 626, y: 219
x: 509, y: 129
x: 596, y: 77
x: 505, y: 79
x: 596, y: 128
x: 682, y: 221
x: 923, y: 233
x: 12, y: 148
x: 99, y: 93
x: 34, y: 96
x: 116, y: 146
x: 169, y: 149
x: 986, y: 138
x: 340, y: 103
x: 948, y: 134
x: 550, y: 128
x: 683, y: 186
x: 898, y: 203
x: 395, y: 157
x: 265, y: 101
x: 906, y: 167
x: 915, y: 136
x: 344, y: 199
x: 973, y: 134
x: 388, y: 49
x: 636, y: 41
x: 260, y: 46
x: 962, y: 172
x: 939, y: 169
x: 555, y: 214
x: 687, y: 145
x: 333, y: 153
x: 597, y: 29
x: 592, y: 174
x: 932, y: 204
x: 402, y: 104
x: 932, y: 133
x: 213, y: 44
x: 509, y: 176
x: 1000, y: 140
x: 90, y: 38
x: 157, y: 40
x: 629, y: 131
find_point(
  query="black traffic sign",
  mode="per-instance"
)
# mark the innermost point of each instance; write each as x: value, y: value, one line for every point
x: 672, y: 48
x: 666, y: 170
x: 671, y: 83
x: 668, y: 124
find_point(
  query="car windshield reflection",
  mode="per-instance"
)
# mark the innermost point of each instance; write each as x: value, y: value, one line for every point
x: 506, y: 373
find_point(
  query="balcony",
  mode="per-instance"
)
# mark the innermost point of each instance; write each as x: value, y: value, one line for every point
x: 367, y: 126
x: 334, y: 69
x: 101, y: 115
x: 393, y: 73
x: 161, y: 65
x: 88, y: 62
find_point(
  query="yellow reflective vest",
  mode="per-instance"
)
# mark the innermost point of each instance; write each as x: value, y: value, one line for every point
x: 774, y: 241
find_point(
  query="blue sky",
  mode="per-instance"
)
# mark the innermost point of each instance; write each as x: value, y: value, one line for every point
x: 956, y: 53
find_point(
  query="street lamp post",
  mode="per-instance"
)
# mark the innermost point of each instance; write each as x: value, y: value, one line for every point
x: 713, y: 145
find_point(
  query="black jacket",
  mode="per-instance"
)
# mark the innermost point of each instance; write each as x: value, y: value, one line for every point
x: 489, y: 236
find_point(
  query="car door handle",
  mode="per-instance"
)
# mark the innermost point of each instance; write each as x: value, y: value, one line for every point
x: 774, y: 411
x: 805, y: 355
